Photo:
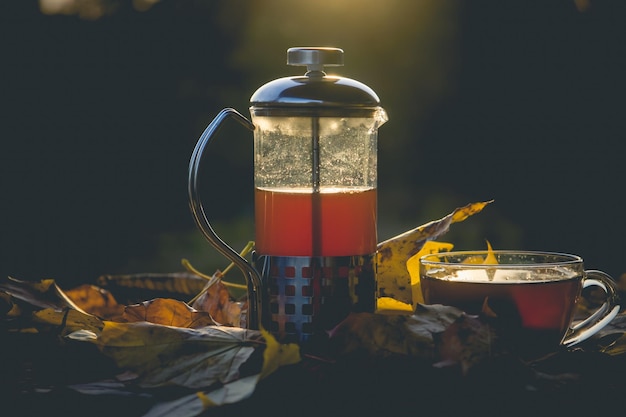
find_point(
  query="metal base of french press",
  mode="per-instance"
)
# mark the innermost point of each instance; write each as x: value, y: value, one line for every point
x: 305, y: 296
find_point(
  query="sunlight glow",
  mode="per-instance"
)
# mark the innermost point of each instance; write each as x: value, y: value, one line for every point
x: 88, y: 9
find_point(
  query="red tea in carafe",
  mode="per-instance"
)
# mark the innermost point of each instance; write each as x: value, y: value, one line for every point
x: 298, y: 222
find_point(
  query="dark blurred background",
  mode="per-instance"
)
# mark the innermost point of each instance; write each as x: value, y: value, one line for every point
x: 104, y: 100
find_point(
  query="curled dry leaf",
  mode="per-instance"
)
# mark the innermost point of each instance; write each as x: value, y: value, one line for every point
x: 465, y: 343
x: 217, y: 302
x: 96, y: 300
x: 38, y: 294
x: 394, y: 334
x: 168, y: 312
x: 214, y: 298
x: 179, y: 285
x: 443, y: 336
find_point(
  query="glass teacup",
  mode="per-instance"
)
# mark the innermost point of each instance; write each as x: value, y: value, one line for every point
x: 533, y: 296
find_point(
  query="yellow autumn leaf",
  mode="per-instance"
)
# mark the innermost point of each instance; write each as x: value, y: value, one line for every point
x: 394, y: 280
x: 431, y: 247
x: 388, y: 305
x: 391, y: 305
x: 489, y: 259
x: 413, y: 266
x: 67, y: 320
x: 464, y: 212
x: 277, y: 354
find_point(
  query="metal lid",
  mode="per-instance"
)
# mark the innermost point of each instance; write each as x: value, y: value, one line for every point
x: 315, y: 59
x: 315, y: 89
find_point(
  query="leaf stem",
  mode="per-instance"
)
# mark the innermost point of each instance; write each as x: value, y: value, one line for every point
x: 219, y: 274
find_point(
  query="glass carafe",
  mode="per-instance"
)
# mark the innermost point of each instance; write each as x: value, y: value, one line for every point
x: 315, y: 193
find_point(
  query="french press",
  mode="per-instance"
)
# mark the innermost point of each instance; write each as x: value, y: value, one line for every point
x: 315, y: 193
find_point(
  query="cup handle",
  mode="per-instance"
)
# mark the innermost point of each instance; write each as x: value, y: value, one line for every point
x: 253, y: 278
x: 602, y: 316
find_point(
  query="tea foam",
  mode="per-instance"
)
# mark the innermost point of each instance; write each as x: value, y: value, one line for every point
x: 503, y: 275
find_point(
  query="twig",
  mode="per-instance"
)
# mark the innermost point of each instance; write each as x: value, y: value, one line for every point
x: 218, y: 275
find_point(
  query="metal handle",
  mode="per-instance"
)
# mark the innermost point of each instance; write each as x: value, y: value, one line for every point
x: 253, y: 279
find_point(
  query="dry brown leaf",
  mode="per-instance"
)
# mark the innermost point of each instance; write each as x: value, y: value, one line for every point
x: 96, y: 301
x: 465, y: 343
x: 394, y: 334
x: 168, y: 312
x: 217, y: 301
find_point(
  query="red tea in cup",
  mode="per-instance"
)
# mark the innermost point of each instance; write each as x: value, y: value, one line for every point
x: 532, y: 295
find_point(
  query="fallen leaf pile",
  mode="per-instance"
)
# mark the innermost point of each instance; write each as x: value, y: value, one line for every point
x: 164, y: 356
x: 155, y: 343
